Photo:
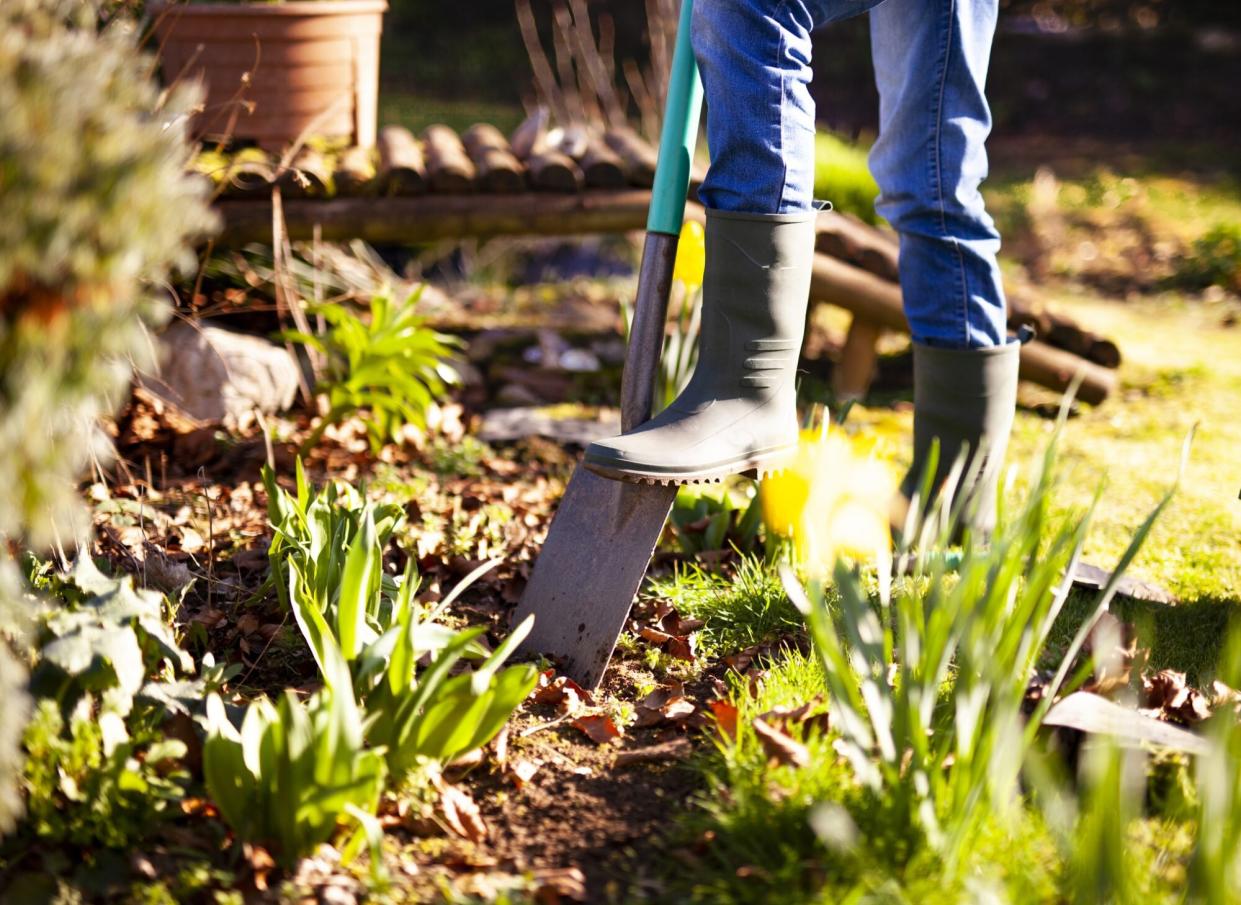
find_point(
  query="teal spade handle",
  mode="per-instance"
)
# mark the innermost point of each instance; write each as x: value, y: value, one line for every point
x: 678, y: 136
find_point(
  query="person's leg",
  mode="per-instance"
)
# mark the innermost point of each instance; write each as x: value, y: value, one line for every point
x: 930, y: 60
x: 738, y: 410
x: 754, y: 59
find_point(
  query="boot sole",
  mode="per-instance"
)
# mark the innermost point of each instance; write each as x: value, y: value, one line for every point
x: 756, y: 466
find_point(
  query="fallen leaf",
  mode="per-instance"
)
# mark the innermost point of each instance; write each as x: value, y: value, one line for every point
x: 725, y: 713
x: 665, y: 704
x: 522, y: 771
x: 655, y: 636
x: 559, y: 883
x: 599, y: 727
x: 779, y: 746
x: 563, y: 693
x: 461, y: 813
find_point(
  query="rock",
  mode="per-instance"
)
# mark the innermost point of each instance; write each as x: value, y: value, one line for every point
x: 507, y: 424
x: 220, y: 376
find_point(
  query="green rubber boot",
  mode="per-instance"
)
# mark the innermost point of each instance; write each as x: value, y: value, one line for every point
x: 965, y: 398
x: 738, y: 411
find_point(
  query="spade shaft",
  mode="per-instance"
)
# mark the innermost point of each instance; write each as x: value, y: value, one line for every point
x: 601, y: 540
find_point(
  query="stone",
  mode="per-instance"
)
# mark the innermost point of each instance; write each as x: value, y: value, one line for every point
x: 218, y: 375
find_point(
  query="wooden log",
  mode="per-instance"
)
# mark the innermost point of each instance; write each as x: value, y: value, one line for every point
x: 853, y: 373
x: 552, y: 171
x: 848, y: 238
x: 355, y: 172
x: 402, y: 170
x: 498, y: 168
x: 449, y: 168
x: 307, y: 176
x: 879, y: 301
x: 636, y: 154
x: 601, y: 166
x: 431, y: 217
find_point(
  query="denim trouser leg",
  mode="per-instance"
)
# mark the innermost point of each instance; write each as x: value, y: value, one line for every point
x: 930, y: 64
x: 930, y: 61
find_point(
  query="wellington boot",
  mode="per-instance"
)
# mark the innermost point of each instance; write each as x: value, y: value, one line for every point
x: 965, y: 399
x: 738, y: 412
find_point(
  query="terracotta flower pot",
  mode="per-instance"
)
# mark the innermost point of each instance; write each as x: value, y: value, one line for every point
x: 276, y: 71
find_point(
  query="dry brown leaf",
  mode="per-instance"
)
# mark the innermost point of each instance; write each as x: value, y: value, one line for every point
x: 779, y: 746
x: 599, y: 727
x: 460, y: 812
x: 559, y: 883
x: 562, y: 693
x: 725, y: 713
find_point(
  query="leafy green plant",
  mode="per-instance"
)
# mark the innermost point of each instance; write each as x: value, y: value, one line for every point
x: 388, y: 368
x: 313, y: 530
x: 703, y: 518
x: 969, y: 640
x: 99, y: 634
x: 87, y: 787
x: 295, y: 770
x: 417, y: 716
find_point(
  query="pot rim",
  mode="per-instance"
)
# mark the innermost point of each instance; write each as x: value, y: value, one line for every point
x: 261, y: 8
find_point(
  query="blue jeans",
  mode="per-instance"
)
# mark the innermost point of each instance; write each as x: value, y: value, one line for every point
x: 930, y: 59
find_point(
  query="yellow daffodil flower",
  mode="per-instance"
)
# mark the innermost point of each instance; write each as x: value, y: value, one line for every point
x: 691, y: 255
x: 833, y: 500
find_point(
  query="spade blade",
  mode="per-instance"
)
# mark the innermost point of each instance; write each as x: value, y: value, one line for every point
x: 589, y: 570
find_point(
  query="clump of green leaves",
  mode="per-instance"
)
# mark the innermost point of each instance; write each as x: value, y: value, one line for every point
x: 387, y: 368
x: 420, y: 716
x: 295, y: 770
x: 87, y: 787
x: 313, y: 529
x: 703, y: 519
x: 971, y: 639
x: 99, y: 635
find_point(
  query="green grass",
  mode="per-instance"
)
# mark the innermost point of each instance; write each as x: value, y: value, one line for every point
x: 739, y: 610
x: 1181, y: 369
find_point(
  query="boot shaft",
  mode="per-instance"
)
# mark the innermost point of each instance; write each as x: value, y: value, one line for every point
x: 755, y: 291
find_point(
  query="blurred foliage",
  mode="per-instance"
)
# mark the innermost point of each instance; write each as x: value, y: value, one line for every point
x: 88, y: 788
x: 97, y: 207
x: 842, y: 176
x: 1214, y: 260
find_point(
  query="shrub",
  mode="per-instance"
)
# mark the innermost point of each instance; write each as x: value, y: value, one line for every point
x: 97, y: 208
x: 842, y: 176
x: 1214, y: 260
x: 388, y: 368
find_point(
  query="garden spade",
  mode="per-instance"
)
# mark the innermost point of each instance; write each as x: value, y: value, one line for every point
x: 605, y: 531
